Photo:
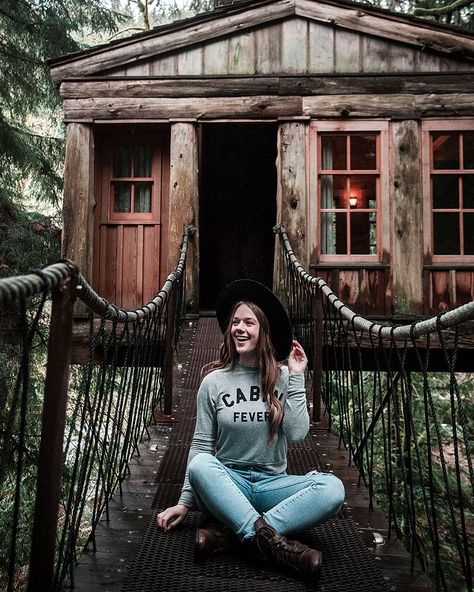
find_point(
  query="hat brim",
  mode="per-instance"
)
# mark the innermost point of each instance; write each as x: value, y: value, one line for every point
x: 252, y: 291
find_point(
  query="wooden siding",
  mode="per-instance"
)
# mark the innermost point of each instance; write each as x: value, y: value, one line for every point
x: 446, y: 289
x: 294, y: 46
x: 364, y: 289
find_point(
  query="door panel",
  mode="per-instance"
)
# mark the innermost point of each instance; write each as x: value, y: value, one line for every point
x: 128, y: 253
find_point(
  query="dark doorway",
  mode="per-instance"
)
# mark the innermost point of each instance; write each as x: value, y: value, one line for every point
x: 237, y: 206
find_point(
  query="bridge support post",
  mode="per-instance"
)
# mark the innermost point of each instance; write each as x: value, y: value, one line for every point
x: 318, y: 357
x: 50, y: 462
x: 169, y: 348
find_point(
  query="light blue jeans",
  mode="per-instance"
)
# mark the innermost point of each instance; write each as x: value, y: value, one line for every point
x: 288, y: 503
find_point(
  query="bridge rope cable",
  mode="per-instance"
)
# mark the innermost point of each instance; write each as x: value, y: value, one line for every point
x: 401, y: 401
x: 115, y: 389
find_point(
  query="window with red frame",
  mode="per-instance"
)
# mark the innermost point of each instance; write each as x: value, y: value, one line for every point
x: 132, y: 181
x: 349, y: 185
x: 452, y: 192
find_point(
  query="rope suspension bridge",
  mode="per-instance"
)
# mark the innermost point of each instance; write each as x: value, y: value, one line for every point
x: 397, y: 397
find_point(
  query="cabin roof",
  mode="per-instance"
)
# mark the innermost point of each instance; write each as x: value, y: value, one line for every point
x: 445, y: 39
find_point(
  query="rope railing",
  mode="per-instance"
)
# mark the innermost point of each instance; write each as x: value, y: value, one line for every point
x: 400, y: 398
x: 68, y: 433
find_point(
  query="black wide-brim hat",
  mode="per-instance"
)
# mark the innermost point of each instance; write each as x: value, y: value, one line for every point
x: 252, y: 291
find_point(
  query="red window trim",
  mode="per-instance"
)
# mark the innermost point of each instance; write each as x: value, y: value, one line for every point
x: 379, y: 129
x: 428, y: 128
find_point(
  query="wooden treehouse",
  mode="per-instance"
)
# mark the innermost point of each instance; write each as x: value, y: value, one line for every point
x: 353, y: 126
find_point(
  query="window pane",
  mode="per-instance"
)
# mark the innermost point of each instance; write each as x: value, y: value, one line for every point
x: 363, y: 188
x: 446, y: 234
x: 142, y: 197
x: 142, y: 161
x: 122, y: 161
x: 122, y: 197
x: 468, y: 151
x: 445, y: 192
x: 333, y: 191
x: 468, y: 191
x: 334, y: 153
x: 363, y: 152
x: 333, y: 233
x: 360, y: 233
x: 445, y: 151
x: 468, y: 234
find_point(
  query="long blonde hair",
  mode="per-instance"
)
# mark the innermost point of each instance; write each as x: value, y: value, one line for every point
x: 267, y: 364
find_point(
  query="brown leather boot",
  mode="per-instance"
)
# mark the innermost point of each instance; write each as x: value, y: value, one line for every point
x: 212, y: 540
x: 292, y: 554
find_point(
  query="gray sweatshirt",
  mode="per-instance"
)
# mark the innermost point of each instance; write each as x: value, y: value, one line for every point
x: 232, y: 421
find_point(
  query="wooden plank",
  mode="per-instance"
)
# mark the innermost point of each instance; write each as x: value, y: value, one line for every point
x: 464, y: 287
x: 348, y: 286
x: 167, y: 41
x: 402, y: 106
x: 321, y: 47
x: 403, y: 59
x: 130, y: 263
x: 216, y: 57
x: 388, y: 26
x: 165, y: 66
x: 375, y: 55
x: 440, y: 291
x: 190, y: 62
x: 184, y: 200
x: 407, y: 263
x: 294, y: 46
x: 347, y: 56
x: 242, y: 54
x: 203, y: 108
x: 268, y: 49
x: 78, y: 197
x: 291, y: 193
x: 266, y: 85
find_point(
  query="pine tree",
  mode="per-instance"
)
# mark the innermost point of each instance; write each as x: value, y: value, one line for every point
x: 31, y: 134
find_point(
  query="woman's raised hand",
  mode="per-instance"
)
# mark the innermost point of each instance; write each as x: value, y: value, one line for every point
x: 297, y: 360
x: 171, y: 517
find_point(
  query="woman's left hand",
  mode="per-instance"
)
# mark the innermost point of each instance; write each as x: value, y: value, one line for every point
x: 297, y: 360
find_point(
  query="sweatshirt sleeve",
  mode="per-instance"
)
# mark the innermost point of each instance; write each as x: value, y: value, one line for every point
x: 296, y: 419
x: 204, y: 438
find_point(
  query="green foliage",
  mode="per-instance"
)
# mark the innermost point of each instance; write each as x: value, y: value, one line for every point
x: 410, y: 457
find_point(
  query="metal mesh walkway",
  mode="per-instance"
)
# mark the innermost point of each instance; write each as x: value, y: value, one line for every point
x: 165, y: 561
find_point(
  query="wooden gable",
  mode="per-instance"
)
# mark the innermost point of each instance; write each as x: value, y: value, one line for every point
x: 280, y: 37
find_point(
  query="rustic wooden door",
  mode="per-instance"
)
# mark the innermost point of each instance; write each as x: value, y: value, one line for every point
x: 237, y: 206
x: 130, y: 218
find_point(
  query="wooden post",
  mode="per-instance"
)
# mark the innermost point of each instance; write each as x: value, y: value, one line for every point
x: 407, y: 262
x: 169, y: 352
x: 291, y: 195
x: 318, y: 358
x: 184, y: 203
x: 79, y: 202
x: 50, y: 462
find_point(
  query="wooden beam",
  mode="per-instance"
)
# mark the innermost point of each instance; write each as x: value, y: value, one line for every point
x: 291, y: 194
x: 388, y: 26
x: 399, y: 106
x: 184, y: 203
x: 79, y: 201
x: 165, y: 41
x: 228, y: 86
x: 407, y: 256
x: 200, y: 108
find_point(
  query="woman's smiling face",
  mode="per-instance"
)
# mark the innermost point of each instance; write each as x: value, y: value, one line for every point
x: 245, y: 331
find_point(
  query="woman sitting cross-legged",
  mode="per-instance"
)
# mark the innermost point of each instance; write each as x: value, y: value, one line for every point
x: 249, y: 406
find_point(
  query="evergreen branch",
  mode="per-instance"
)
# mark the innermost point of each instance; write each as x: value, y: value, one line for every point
x: 443, y: 10
x: 23, y: 57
